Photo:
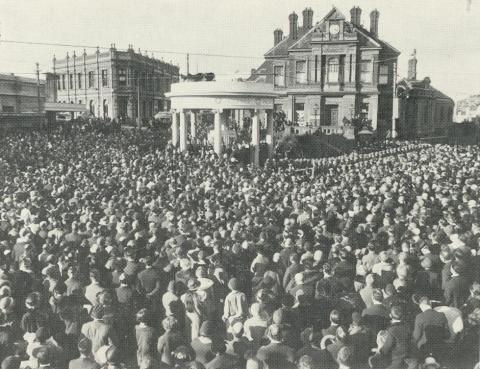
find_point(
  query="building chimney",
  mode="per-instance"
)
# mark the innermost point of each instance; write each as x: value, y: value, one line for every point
x: 412, y: 66
x: 356, y: 16
x: 277, y: 36
x: 293, y: 18
x: 307, y: 18
x: 374, y: 16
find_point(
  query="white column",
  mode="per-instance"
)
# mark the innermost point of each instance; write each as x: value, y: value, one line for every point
x: 240, y: 118
x: 269, y: 137
x: 395, y: 115
x: 174, y: 128
x: 373, y: 108
x: 183, y: 131
x: 217, y: 133
x: 256, y: 138
x: 193, y: 125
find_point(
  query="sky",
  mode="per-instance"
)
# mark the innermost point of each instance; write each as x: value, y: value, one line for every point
x: 445, y: 33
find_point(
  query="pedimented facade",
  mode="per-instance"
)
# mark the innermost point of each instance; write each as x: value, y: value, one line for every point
x: 329, y: 72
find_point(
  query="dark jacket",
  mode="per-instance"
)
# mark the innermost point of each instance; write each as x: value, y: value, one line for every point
x: 430, y: 325
x: 376, y: 310
x: 397, y: 345
x: 457, y: 290
x: 274, y: 351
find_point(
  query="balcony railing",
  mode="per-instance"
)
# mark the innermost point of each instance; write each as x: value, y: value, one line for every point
x: 331, y: 130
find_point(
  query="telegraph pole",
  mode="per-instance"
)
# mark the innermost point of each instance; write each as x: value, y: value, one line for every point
x: 98, y: 83
x: 395, y: 102
x: 139, y: 79
x: 38, y: 87
x: 188, y: 64
x: 139, y: 120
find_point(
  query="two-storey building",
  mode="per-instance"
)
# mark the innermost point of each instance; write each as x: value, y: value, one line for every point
x: 328, y: 72
x: 22, y: 101
x: 115, y: 83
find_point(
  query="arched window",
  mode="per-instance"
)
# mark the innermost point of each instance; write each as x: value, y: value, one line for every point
x: 105, y: 108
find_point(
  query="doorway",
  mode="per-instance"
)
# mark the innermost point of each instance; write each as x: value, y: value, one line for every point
x: 331, y: 115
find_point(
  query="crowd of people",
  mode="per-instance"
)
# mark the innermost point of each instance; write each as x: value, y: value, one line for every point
x: 118, y: 251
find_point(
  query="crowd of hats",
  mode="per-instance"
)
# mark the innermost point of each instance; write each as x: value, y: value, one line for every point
x: 115, y: 203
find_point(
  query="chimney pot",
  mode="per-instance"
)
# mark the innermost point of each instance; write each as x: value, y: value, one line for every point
x: 356, y: 16
x: 374, y: 16
x: 307, y: 18
x: 412, y: 66
x: 277, y: 36
x: 293, y: 18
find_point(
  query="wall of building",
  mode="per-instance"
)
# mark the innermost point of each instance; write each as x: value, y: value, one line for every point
x: 21, y: 95
x: 111, y: 84
x: 425, y: 117
x: 22, y: 102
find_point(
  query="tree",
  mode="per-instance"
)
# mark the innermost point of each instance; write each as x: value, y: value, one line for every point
x: 359, y: 122
x: 288, y: 146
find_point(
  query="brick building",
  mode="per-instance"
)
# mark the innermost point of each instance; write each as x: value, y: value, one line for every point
x: 22, y: 101
x: 423, y: 110
x: 331, y: 71
x: 114, y: 83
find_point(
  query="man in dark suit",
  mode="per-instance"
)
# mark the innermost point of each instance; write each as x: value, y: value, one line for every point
x: 398, y: 340
x: 44, y: 358
x: 431, y: 329
x: 222, y: 360
x: 294, y: 268
x: 457, y: 289
x: 335, y: 321
x: 377, y: 309
x: 85, y: 361
x: 276, y: 351
x: 345, y: 270
x: 321, y: 358
x: 377, y: 315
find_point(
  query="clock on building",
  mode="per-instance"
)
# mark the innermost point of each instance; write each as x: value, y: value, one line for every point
x: 334, y: 29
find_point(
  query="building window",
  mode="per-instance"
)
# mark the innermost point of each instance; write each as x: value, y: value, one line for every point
x: 8, y: 109
x: 79, y: 83
x: 300, y: 114
x: 104, y: 78
x: 70, y: 81
x: 301, y: 71
x: 316, y: 114
x: 63, y: 81
x: 364, y: 109
x: 59, y: 84
x: 91, y: 79
x: 122, y: 77
x: 279, y: 76
x: 136, y: 78
x: 317, y: 69
x: 333, y: 70
x: 366, y: 71
x: 383, y: 75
